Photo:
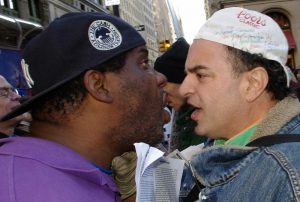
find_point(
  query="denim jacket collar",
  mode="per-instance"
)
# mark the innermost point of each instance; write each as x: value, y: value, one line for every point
x: 279, y: 115
x: 222, y: 163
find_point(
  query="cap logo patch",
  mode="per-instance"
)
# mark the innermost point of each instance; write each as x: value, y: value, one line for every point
x: 103, y: 35
x: 27, y: 76
x: 251, y: 19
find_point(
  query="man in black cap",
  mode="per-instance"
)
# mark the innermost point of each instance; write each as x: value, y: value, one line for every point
x: 172, y: 64
x: 90, y: 81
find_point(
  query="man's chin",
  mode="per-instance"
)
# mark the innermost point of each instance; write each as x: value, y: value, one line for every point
x: 20, y: 118
x: 159, y: 138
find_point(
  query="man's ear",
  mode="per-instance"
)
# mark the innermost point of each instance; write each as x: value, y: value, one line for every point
x: 257, y: 80
x: 96, y: 84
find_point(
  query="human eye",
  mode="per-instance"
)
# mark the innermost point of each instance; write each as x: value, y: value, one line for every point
x: 145, y: 63
x: 201, y: 75
x: 4, y: 91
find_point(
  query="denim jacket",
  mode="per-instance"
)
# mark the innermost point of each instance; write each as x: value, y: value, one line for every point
x: 234, y: 173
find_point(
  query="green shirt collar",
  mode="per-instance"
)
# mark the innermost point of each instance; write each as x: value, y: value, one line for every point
x: 241, y: 139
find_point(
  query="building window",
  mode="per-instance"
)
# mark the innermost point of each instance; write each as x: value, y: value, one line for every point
x: 97, y: 1
x: 11, y: 4
x: 284, y: 23
x: 82, y: 6
x: 9, y: 7
x: 76, y: 4
x: 281, y: 19
x: 34, y: 10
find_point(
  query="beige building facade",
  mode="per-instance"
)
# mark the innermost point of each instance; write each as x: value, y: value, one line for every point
x: 152, y: 18
x: 139, y: 13
x: 163, y: 21
x: 155, y: 19
x: 285, y: 12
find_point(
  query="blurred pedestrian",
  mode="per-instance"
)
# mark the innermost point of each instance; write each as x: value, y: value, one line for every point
x: 171, y: 64
x: 241, y: 90
x: 9, y: 99
x: 92, y: 86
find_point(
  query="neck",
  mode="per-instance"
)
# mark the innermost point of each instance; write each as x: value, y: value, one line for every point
x: 6, y: 128
x: 91, y: 144
x: 255, y: 113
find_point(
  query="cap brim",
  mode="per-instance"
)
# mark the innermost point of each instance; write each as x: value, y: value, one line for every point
x: 27, y: 105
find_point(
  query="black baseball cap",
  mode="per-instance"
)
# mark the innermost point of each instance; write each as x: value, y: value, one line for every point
x: 172, y: 62
x: 70, y: 45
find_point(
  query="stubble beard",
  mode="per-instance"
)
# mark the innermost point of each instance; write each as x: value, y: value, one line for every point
x: 141, y: 120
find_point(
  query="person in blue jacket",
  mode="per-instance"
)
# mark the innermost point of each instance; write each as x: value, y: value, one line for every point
x: 238, y: 82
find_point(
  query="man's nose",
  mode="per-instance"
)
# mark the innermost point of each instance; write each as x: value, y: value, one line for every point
x: 15, y: 96
x: 161, y: 79
x: 185, y: 88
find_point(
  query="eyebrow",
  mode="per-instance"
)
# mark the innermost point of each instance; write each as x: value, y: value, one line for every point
x: 195, y: 68
x: 6, y: 86
x: 144, y: 50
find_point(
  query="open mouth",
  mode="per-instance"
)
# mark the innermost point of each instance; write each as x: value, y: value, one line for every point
x: 164, y: 97
x: 166, y: 116
x: 170, y: 104
x: 195, y: 114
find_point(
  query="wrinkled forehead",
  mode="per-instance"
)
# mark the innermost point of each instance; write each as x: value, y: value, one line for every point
x: 203, y: 51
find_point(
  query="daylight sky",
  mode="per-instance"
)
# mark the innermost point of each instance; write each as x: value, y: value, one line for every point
x: 192, y: 15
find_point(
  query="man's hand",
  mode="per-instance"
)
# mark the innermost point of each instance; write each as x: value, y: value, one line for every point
x: 124, y: 173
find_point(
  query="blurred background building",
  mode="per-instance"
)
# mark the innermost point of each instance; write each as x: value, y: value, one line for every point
x: 21, y: 20
x: 140, y: 14
x: 156, y: 20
